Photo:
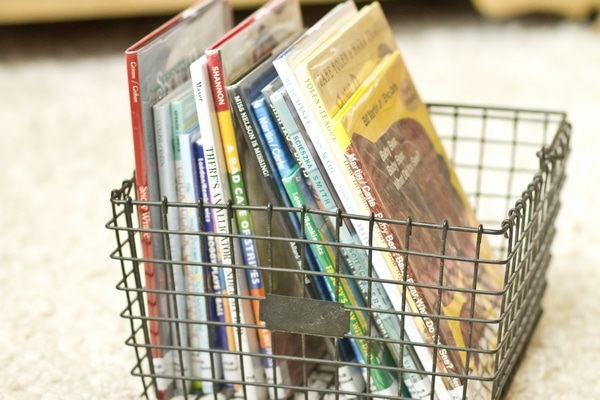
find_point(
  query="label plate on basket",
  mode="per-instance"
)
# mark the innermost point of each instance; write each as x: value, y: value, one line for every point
x: 306, y: 316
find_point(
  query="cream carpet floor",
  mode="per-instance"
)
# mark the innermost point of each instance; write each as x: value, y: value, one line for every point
x: 65, y: 143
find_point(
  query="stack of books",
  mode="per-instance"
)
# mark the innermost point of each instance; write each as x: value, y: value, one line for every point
x: 321, y: 118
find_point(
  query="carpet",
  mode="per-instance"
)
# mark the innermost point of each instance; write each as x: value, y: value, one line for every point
x: 66, y: 144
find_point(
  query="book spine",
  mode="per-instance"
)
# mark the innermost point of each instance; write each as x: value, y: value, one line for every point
x: 145, y: 222
x: 239, y: 196
x: 168, y: 189
x: 191, y: 253
x: 216, y: 305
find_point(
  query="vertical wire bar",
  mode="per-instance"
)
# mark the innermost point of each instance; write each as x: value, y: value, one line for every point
x: 338, y: 224
x: 138, y: 283
x: 172, y: 301
x: 269, y: 290
x: 205, y: 264
x: 513, y: 157
x: 115, y: 196
x: 305, y: 278
x: 481, y: 161
x: 237, y: 325
x: 440, y: 285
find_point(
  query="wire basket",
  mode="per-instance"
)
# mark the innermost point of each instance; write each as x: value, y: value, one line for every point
x: 511, y: 163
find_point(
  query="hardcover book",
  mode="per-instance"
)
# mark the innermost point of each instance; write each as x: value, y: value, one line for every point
x: 385, y: 133
x: 157, y: 64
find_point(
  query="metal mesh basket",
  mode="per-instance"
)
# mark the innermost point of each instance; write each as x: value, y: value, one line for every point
x: 511, y: 164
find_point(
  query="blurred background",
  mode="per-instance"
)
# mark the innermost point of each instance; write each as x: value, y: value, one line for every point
x: 66, y: 143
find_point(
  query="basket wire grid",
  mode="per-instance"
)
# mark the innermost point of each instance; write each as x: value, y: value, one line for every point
x: 511, y: 164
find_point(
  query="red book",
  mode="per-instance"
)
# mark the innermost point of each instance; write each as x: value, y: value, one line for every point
x: 157, y: 64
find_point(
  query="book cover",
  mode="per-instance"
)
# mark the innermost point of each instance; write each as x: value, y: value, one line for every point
x: 168, y: 189
x: 154, y: 67
x: 386, y: 135
x: 214, y: 277
x: 373, y: 293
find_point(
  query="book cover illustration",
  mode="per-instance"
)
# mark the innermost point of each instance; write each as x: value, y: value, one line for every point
x: 386, y: 135
x: 154, y: 67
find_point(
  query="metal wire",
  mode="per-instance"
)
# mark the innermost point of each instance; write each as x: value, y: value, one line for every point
x: 514, y: 176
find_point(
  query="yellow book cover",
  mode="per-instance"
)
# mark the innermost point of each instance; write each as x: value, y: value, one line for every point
x: 341, y: 63
x: 385, y: 133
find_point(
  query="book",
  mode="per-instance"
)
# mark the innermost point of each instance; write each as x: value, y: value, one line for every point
x: 186, y: 131
x: 385, y: 133
x: 305, y: 170
x: 165, y: 144
x: 214, y: 277
x: 219, y: 194
x: 155, y: 65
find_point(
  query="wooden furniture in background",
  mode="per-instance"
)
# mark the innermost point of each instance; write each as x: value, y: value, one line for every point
x: 32, y: 11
